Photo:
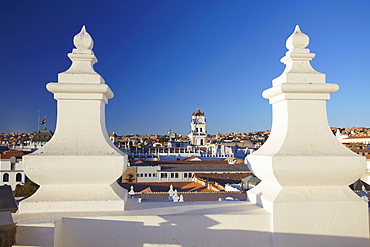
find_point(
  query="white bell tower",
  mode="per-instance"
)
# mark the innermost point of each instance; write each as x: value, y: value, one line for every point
x: 198, y: 132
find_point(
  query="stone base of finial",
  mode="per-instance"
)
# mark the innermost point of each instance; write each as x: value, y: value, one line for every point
x: 76, y: 198
x: 307, y: 213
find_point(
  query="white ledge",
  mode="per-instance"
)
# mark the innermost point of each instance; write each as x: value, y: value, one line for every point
x: 79, y: 88
x: 301, y: 88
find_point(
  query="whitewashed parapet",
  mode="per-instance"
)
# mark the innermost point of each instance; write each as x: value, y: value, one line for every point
x: 78, y: 168
x: 305, y: 170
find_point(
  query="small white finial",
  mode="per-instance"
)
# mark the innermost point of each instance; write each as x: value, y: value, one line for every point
x: 83, y: 40
x: 171, y: 192
x: 175, y: 197
x: 297, y: 40
x: 131, y: 192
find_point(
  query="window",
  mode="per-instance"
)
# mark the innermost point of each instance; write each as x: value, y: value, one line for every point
x: 176, y: 175
x: 145, y: 175
x: 6, y: 177
x: 189, y: 174
x: 18, y: 177
x: 185, y: 175
x: 201, y: 129
x: 13, y: 160
x: 150, y: 175
x: 196, y: 130
x: 163, y: 175
x: 172, y: 175
x: 201, y: 141
x: 154, y: 175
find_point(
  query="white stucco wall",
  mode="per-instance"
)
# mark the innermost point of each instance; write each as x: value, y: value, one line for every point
x: 355, y: 140
x: 172, y: 225
x: 175, y: 176
x: 6, y: 168
x: 147, y: 174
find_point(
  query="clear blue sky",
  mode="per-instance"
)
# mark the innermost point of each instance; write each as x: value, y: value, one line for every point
x: 163, y: 58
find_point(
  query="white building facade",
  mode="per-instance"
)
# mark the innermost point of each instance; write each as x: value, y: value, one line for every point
x: 11, y: 171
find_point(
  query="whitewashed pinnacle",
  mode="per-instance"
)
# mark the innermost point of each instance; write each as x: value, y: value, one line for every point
x: 83, y: 40
x: 175, y: 197
x: 297, y: 161
x: 297, y: 40
x: 83, y: 60
x: 69, y: 169
x: 131, y: 192
x: 181, y: 198
x: 171, y: 192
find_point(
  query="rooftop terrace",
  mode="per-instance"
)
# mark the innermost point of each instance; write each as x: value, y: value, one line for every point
x: 303, y: 199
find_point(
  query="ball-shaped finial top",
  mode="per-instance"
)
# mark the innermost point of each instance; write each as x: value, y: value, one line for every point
x: 83, y: 40
x: 297, y: 40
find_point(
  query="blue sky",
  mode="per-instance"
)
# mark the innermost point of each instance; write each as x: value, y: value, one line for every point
x: 164, y: 58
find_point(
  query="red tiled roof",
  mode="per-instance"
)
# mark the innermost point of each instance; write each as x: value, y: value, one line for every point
x: 9, y: 153
x: 146, y: 190
x: 224, y: 178
x: 239, y: 161
x: 357, y: 137
x: 358, y: 150
x: 190, y: 158
x: 231, y: 176
x: 165, y: 186
x: 198, y: 113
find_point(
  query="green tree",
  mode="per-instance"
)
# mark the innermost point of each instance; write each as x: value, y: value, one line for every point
x: 26, y: 190
x: 163, y: 140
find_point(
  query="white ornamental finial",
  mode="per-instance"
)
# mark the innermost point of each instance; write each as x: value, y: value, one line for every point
x: 175, y: 197
x: 131, y: 192
x: 181, y: 198
x: 83, y: 40
x: 171, y: 192
x: 297, y: 40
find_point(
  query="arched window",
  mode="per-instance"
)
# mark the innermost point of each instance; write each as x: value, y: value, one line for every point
x: 18, y: 177
x: 201, y: 141
x: 6, y: 177
x: 13, y: 160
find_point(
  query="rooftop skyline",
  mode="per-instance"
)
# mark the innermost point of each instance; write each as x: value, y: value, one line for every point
x: 164, y: 59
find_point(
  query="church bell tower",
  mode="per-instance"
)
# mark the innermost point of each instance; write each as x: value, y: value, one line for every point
x: 198, y: 132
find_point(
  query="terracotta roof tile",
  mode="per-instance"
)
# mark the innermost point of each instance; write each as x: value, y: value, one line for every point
x: 9, y: 153
x: 146, y: 190
x: 165, y: 186
x: 357, y: 137
x: 225, y: 178
x: 198, y: 113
